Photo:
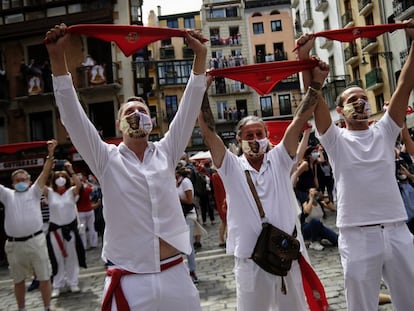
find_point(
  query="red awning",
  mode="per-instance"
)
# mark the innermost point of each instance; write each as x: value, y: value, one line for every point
x: 114, y: 141
x: 14, y: 148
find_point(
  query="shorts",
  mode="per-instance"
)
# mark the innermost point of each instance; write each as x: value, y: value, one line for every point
x: 28, y: 258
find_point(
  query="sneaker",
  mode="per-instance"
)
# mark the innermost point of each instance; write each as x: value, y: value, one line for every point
x: 194, y: 277
x: 55, y: 293
x: 75, y: 289
x: 34, y: 285
x: 316, y: 246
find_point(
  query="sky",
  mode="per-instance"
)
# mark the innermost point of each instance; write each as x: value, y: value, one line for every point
x: 170, y: 7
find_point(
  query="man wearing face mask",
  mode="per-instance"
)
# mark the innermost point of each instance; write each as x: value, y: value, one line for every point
x: 145, y: 232
x: 374, y: 241
x: 26, y: 243
x: 269, y: 169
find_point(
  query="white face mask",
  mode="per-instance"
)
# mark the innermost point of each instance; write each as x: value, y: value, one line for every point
x: 60, y: 181
x: 255, y: 148
x: 315, y: 155
x: 136, y: 124
x: 359, y: 110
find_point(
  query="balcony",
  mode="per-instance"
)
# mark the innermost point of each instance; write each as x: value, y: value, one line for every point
x: 26, y: 20
x: 294, y: 4
x: 98, y: 77
x: 351, y: 54
x: 357, y: 82
x: 373, y: 79
x: 219, y: 41
x: 325, y: 43
x: 231, y: 61
x: 368, y: 44
x: 365, y: 7
x: 403, y: 9
x: 404, y: 56
x: 334, y: 86
x: 228, y: 89
x: 167, y: 52
x: 321, y: 5
x: 188, y: 52
x: 347, y: 19
x: 307, y: 17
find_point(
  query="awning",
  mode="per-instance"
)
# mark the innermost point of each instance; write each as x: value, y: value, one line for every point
x: 201, y: 155
x: 14, y: 148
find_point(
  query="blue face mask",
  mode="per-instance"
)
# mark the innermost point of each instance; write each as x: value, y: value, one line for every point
x: 21, y: 186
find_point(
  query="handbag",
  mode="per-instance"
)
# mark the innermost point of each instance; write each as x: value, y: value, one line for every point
x: 275, y: 249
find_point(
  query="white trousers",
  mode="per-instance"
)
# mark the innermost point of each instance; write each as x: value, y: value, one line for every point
x: 88, y: 235
x: 67, y: 266
x: 260, y: 290
x: 369, y: 253
x: 169, y: 290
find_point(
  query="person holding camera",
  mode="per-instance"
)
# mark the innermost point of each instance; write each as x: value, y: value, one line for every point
x: 145, y: 231
x: 67, y: 252
x: 312, y: 226
x: 26, y: 247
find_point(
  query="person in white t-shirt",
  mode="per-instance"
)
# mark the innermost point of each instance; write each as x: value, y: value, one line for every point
x: 374, y: 241
x: 26, y: 247
x: 270, y: 169
x: 145, y: 231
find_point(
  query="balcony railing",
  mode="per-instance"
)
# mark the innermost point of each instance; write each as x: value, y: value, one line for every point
x: 404, y: 56
x: 228, y: 88
x: 219, y: 41
x: 357, y: 82
x: 321, y: 5
x: 92, y: 76
x: 307, y: 17
x: 367, y: 44
x: 231, y: 61
x: 403, y: 9
x: 373, y: 78
x: 167, y: 52
x: 350, y: 53
x: 364, y: 6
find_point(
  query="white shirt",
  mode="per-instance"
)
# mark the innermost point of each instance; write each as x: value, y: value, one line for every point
x: 274, y: 189
x: 363, y: 163
x: 62, y: 207
x: 140, y: 199
x: 23, y: 215
x: 184, y: 186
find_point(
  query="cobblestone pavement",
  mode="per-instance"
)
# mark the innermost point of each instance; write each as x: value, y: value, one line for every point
x: 214, y: 269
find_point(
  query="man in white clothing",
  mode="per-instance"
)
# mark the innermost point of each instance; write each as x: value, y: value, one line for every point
x: 270, y: 171
x: 374, y: 241
x: 145, y: 230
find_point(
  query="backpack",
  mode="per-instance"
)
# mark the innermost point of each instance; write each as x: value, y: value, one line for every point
x: 200, y: 184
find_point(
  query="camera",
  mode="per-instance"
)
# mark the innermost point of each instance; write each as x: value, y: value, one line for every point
x: 59, y: 165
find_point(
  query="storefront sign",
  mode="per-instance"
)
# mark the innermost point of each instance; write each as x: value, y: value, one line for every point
x: 23, y: 163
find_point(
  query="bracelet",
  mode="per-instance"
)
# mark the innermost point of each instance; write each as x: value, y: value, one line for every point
x: 314, y: 90
x: 198, y: 73
x: 50, y: 157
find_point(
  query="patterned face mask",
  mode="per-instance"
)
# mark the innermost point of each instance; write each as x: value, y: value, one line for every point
x: 136, y: 124
x: 255, y: 148
x: 359, y: 110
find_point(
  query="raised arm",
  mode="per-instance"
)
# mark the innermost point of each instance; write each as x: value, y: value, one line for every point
x: 75, y: 178
x: 399, y: 99
x: 208, y: 130
x: 306, y: 108
x: 44, y: 174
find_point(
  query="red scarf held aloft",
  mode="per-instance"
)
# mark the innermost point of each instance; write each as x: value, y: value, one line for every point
x: 264, y: 76
x: 129, y: 38
x: 352, y: 33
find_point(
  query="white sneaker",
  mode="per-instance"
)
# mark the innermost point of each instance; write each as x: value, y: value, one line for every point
x: 316, y: 246
x: 75, y: 289
x: 55, y: 293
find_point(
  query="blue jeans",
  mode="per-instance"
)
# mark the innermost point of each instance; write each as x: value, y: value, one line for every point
x: 314, y: 230
x: 191, y: 258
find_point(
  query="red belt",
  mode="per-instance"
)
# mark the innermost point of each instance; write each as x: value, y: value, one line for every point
x: 115, y: 287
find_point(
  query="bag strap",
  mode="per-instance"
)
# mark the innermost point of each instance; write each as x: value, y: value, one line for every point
x: 255, y: 195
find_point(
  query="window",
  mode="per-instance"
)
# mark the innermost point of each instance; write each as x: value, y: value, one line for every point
x: 176, y: 72
x: 222, y: 111
x: 189, y: 23
x: 196, y: 138
x: 266, y: 106
x: 102, y: 116
x: 276, y: 25
x: 215, y: 36
x: 258, y: 28
x: 172, y: 23
x: 285, y: 106
x: 379, y: 101
x: 41, y: 125
x: 171, y: 106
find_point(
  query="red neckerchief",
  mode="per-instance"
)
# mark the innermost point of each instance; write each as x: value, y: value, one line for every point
x: 351, y: 33
x: 129, y: 38
x: 263, y: 77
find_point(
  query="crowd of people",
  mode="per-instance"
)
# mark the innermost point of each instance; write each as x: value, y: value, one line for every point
x: 157, y: 201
